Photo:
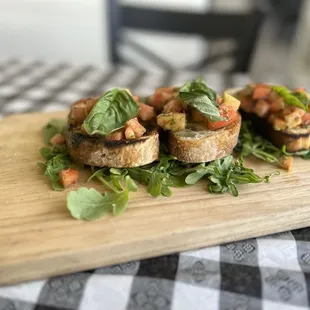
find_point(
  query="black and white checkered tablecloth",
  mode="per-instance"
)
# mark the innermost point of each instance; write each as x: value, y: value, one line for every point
x: 272, y: 272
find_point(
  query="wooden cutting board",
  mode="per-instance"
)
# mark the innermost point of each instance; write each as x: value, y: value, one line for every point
x: 39, y: 238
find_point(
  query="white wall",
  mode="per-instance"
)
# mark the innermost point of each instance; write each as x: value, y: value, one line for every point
x: 54, y: 30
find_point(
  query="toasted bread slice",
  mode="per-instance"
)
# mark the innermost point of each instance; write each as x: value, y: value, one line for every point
x: 294, y: 139
x: 97, y: 151
x: 198, y: 145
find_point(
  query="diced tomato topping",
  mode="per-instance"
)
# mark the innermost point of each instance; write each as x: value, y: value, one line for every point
x: 116, y: 135
x: 78, y: 111
x: 306, y: 119
x: 146, y: 112
x: 219, y: 99
x: 168, y: 90
x: 300, y: 90
x: 174, y: 105
x: 90, y: 102
x: 247, y: 105
x: 136, y: 98
x: 68, y: 176
x: 58, y: 139
x: 261, y: 91
x: 136, y: 127
x: 261, y: 108
x: 229, y: 115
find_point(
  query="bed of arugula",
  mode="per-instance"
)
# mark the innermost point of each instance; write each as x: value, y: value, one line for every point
x: 221, y: 176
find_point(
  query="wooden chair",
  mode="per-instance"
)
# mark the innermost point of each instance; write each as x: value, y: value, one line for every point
x: 243, y: 28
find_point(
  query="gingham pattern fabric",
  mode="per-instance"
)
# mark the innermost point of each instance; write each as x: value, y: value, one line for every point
x: 272, y: 272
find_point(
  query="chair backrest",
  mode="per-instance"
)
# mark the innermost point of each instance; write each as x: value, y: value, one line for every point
x: 243, y: 28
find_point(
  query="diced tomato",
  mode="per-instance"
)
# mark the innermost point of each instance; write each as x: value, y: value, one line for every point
x: 68, y: 176
x: 197, y: 116
x: 130, y: 134
x: 277, y: 105
x: 174, y: 105
x: 229, y: 115
x: 160, y: 99
x: 136, y: 98
x: 261, y: 108
x: 146, y: 112
x: 78, y: 111
x: 286, y: 162
x: 58, y: 139
x: 136, y: 127
x: 261, y: 91
x: 306, y: 119
x: 279, y: 123
x: 168, y: 90
x: 300, y: 90
x: 90, y: 102
x: 247, y: 104
x: 116, y: 135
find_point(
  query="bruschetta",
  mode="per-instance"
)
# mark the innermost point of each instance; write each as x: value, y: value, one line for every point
x: 201, y: 125
x: 114, y: 130
x: 278, y: 113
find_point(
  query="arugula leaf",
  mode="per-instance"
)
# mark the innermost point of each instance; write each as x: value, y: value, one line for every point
x: 224, y: 175
x: 111, y: 112
x: 252, y: 144
x: 53, y: 127
x: 89, y: 204
x: 48, y: 153
x: 305, y: 154
x: 198, y: 95
x: 290, y: 98
x: 157, y: 176
x: 54, y: 166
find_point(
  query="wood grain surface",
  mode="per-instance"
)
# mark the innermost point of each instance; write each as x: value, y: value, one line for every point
x: 39, y: 238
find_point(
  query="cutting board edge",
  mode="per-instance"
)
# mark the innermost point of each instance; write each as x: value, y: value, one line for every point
x: 15, y: 273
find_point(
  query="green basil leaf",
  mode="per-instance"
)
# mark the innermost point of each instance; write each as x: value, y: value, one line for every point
x: 289, y: 98
x: 198, y: 95
x: 203, y: 104
x: 302, y: 97
x: 111, y: 112
x: 53, y: 127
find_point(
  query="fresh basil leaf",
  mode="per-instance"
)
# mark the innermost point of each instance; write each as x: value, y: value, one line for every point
x: 203, y: 104
x: 87, y: 204
x: 53, y: 127
x: 111, y: 112
x: 302, y: 97
x: 198, y: 95
x: 289, y: 98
